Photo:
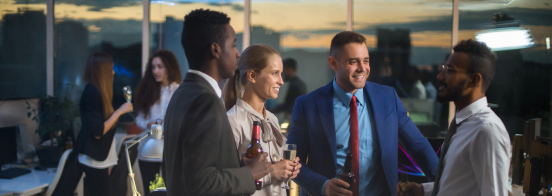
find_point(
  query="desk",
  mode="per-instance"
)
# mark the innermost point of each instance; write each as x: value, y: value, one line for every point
x: 28, y: 184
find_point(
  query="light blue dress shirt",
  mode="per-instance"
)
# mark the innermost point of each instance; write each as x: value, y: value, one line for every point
x: 369, y: 151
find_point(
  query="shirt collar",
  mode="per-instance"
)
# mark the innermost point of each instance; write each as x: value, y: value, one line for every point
x: 250, y: 109
x: 471, y: 109
x: 209, y: 79
x: 346, y: 97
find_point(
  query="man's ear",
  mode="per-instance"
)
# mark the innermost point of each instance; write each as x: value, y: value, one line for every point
x: 333, y: 63
x: 251, y: 76
x: 476, y: 80
x: 215, y: 50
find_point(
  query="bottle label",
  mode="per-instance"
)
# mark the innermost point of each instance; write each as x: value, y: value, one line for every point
x: 256, y: 132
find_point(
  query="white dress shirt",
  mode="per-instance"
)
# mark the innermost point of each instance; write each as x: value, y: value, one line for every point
x: 159, y: 108
x: 477, y: 160
x: 209, y: 79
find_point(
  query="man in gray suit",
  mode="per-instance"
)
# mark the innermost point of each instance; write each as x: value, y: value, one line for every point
x: 200, y: 156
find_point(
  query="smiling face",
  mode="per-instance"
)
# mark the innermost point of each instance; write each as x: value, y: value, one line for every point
x: 159, y: 71
x: 266, y: 83
x: 228, y: 63
x: 454, y: 78
x: 352, y: 66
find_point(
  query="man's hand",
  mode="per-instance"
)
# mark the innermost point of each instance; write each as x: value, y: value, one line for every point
x: 337, y: 187
x: 414, y: 188
x: 258, y: 166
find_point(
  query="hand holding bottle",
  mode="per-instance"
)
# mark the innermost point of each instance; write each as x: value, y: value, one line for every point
x: 414, y: 188
x: 258, y: 166
x: 337, y: 187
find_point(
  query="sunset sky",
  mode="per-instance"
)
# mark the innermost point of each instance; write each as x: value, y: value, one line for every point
x: 312, y: 23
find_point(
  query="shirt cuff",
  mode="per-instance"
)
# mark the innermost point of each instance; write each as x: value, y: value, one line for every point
x: 324, y: 186
x: 428, y: 188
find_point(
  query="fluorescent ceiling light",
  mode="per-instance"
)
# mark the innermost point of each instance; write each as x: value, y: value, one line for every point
x: 506, y: 38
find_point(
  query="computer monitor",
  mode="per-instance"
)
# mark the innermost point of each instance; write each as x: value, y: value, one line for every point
x: 8, y: 144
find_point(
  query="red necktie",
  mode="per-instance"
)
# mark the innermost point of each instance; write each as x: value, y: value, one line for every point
x: 354, y: 141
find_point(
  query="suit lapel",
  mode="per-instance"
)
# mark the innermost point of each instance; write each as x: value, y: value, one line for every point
x: 324, y: 103
x: 378, y: 112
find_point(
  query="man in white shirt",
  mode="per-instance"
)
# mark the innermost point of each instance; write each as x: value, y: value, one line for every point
x: 474, y: 157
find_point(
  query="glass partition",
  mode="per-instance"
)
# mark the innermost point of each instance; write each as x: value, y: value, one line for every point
x: 408, y: 41
x: 167, y: 20
x: 84, y: 27
x: 522, y: 85
x: 301, y: 30
x: 22, y: 49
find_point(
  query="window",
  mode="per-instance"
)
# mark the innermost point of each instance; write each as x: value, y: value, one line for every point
x: 408, y: 41
x: 522, y: 86
x: 167, y: 20
x: 85, y: 27
x: 22, y: 49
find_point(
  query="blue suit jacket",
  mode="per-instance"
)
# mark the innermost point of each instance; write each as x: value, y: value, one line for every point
x: 313, y: 130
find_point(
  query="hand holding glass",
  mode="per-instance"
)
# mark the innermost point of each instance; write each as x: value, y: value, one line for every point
x: 127, y: 92
x: 289, y: 154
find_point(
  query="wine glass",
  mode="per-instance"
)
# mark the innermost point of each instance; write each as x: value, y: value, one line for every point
x: 290, y: 150
x: 127, y: 91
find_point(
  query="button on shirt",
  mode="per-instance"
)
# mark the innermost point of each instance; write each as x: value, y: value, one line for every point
x: 477, y: 160
x: 369, y: 151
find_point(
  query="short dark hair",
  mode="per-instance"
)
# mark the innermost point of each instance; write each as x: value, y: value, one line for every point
x: 342, y: 39
x: 482, y: 60
x: 291, y: 63
x: 201, y: 29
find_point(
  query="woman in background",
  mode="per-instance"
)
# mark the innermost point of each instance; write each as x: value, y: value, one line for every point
x: 153, y: 94
x: 258, y: 78
x: 161, y: 79
x: 95, y: 144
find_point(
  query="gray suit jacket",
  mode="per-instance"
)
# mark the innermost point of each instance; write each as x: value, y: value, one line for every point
x: 200, y: 156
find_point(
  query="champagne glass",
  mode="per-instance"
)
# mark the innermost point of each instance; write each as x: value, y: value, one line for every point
x: 289, y: 154
x: 127, y: 91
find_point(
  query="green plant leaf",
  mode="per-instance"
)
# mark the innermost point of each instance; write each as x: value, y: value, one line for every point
x: 28, y: 114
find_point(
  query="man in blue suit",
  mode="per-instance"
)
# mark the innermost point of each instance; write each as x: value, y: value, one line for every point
x: 321, y: 126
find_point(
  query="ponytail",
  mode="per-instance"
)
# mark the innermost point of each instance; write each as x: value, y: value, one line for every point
x: 230, y: 91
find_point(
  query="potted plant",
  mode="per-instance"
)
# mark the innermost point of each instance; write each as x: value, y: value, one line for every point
x: 55, y: 117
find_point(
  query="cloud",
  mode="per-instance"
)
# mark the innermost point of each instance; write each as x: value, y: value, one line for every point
x: 469, y: 20
x: 95, y: 5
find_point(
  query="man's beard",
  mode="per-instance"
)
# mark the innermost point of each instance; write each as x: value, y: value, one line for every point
x: 454, y: 95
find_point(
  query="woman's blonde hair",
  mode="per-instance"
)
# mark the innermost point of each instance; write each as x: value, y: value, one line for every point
x: 99, y: 73
x: 255, y: 58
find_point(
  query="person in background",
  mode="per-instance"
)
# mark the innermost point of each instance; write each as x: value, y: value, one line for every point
x: 200, y: 156
x: 351, y: 115
x: 430, y: 89
x: 385, y: 78
x: 418, y: 90
x: 259, y: 75
x: 296, y: 87
x: 95, y: 144
x: 475, y: 156
x: 161, y: 79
